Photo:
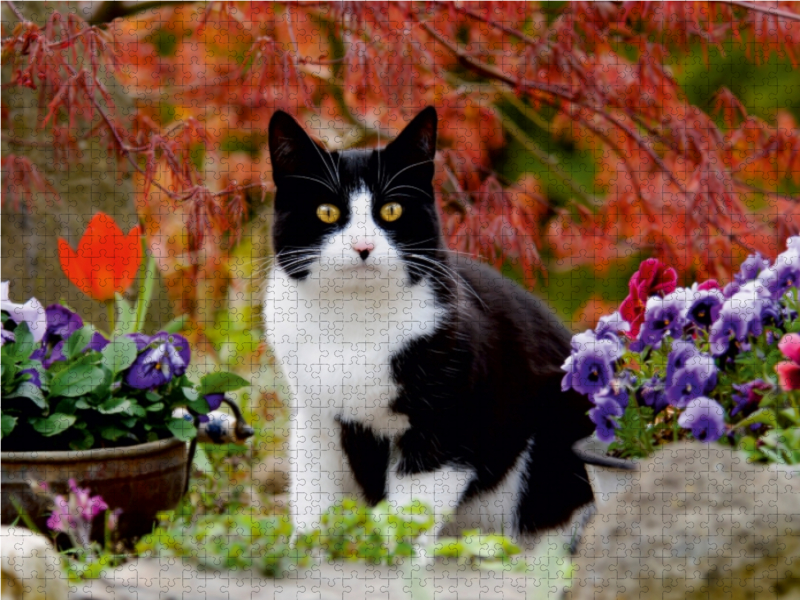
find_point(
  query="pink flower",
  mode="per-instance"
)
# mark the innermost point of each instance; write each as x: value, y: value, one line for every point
x: 652, y: 278
x: 61, y: 519
x: 789, y: 371
x: 88, y: 506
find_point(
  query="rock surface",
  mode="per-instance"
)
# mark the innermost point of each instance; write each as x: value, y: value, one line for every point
x: 31, y: 568
x: 696, y: 521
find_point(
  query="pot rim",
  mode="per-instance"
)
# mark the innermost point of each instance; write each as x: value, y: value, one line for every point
x: 591, y: 451
x: 67, y: 456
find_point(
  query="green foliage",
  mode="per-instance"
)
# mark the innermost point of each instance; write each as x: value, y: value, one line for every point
x: 84, y: 401
x: 350, y: 531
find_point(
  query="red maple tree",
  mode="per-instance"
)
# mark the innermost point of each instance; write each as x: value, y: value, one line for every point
x: 672, y: 180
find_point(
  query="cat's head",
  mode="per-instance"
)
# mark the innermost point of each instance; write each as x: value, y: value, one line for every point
x: 355, y: 215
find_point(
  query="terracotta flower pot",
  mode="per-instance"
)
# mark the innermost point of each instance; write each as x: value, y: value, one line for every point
x: 141, y: 480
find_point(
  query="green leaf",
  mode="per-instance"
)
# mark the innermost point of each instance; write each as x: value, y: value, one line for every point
x: 84, y: 443
x: 119, y: 354
x: 27, y: 390
x: 176, y: 325
x: 8, y: 424
x: 78, y: 341
x: 156, y: 406
x: 215, y: 383
x: 54, y: 424
x: 112, y: 433
x: 77, y: 380
x: 765, y: 416
x: 114, y: 405
x: 182, y: 429
x: 23, y: 343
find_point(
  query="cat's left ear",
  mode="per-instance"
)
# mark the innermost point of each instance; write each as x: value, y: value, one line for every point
x: 416, y: 144
x: 291, y: 149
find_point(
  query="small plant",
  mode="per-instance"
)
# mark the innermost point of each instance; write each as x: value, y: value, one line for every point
x: 76, y: 389
x: 350, y: 531
x: 74, y: 515
x: 701, y: 362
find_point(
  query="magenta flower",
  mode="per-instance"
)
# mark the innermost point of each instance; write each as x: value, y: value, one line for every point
x: 62, y: 519
x: 74, y: 515
x: 705, y: 417
x: 789, y: 371
x: 749, y: 396
x: 88, y: 506
x: 653, y: 278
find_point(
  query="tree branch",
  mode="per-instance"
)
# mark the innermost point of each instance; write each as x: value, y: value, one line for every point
x: 16, y: 11
x: 765, y: 9
x: 108, y: 11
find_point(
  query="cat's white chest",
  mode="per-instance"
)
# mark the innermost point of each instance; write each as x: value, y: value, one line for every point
x: 336, y: 345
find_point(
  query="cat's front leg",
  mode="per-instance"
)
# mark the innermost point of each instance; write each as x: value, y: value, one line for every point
x: 318, y: 476
x: 441, y: 490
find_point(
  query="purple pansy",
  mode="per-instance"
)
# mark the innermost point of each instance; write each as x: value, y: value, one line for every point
x: 34, y: 378
x: 680, y: 354
x: 653, y: 394
x: 739, y: 317
x: 97, y: 343
x: 782, y: 275
x: 703, y: 306
x: 6, y: 337
x: 749, y: 270
x: 590, y: 368
x: 604, y: 415
x: 610, y: 326
x: 61, y: 323
x: 141, y: 340
x: 697, y: 378
x: 214, y: 400
x: 661, y: 316
x: 705, y: 417
x: 31, y: 313
x: 747, y: 397
x: 166, y: 356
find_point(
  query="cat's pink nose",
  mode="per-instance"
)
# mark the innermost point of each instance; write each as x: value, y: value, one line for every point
x: 363, y: 248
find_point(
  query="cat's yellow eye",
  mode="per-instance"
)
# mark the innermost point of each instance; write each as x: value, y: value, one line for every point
x: 328, y: 213
x: 391, y: 212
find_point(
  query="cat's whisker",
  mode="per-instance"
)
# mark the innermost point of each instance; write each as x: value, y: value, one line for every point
x: 331, y: 173
x: 412, y: 187
x: 403, y: 170
x: 314, y: 179
x: 453, y: 274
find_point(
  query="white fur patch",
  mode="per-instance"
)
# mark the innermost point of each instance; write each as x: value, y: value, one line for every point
x: 495, y: 511
x: 334, y: 335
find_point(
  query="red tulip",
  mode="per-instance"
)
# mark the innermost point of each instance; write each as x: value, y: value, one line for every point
x: 653, y: 277
x: 106, y: 261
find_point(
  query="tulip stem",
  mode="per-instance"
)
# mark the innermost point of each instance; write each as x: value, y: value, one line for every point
x: 112, y: 313
x: 146, y: 285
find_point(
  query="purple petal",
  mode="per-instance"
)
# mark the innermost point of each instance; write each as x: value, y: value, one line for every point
x: 705, y: 417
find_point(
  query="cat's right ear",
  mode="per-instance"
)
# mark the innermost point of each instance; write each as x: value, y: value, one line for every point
x: 291, y: 150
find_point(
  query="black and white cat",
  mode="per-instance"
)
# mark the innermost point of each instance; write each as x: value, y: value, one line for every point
x: 416, y: 373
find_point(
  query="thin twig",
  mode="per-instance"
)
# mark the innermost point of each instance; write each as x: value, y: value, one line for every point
x: 16, y: 11
x: 774, y: 12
